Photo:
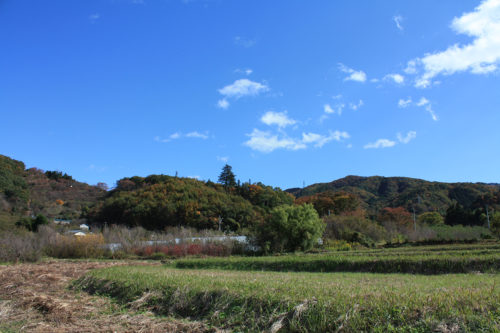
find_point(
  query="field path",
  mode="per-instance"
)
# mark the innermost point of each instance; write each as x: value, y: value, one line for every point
x: 35, y: 298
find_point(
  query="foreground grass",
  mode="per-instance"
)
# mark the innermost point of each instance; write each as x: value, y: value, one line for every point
x: 314, y: 302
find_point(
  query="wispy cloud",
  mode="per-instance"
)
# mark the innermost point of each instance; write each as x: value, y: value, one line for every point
x: 380, y: 143
x: 481, y: 56
x: 179, y: 135
x: 244, y: 42
x: 422, y: 103
x: 319, y: 140
x: 197, y: 135
x: 223, y: 103
x: 354, y: 75
x: 94, y: 17
x: 355, y: 106
x: 327, y: 108
x: 398, y: 19
x: 224, y: 159
x: 409, y: 136
x: 425, y: 103
x: 386, y: 143
x: 280, y: 119
x: 403, y: 103
x: 246, y: 71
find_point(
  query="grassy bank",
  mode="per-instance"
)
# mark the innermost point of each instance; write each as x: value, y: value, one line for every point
x: 352, y: 302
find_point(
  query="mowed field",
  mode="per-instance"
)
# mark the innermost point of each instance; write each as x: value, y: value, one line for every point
x: 272, y: 294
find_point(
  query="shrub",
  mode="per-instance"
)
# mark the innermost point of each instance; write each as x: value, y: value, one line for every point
x: 354, y: 229
x: 69, y: 246
x: 290, y: 228
x: 19, y: 247
x: 184, y: 249
x: 431, y: 218
x: 32, y: 224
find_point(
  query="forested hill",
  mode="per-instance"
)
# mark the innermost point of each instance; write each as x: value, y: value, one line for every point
x: 161, y: 201
x: 33, y: 191
x: 378, y: 192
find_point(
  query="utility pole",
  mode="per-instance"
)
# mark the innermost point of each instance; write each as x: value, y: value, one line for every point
x: 220, y: 221
x: 414, y: 218
x: 488, y: 217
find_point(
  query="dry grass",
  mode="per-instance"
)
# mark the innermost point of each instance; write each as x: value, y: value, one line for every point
x: 35, y: 298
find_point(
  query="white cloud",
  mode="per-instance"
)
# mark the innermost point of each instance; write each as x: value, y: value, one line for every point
x: 398, y: 19
x: 356, y: 106
x: 380, y: 143
x: 397, y: 78
x: 409, y: 136
x: 277, y: 118
x: 266, y: 142
x: 197, y: 135
x: 243, y: 87
x: 223, y: 103
x: 355, y: 75
x: 224, y: 159
x: 480, y: 56
x: 339, y: 96
x: 328, y: 109
x: 403, y: 103
x: 336, y: 109
x: 244, y: 42
x: 423, y: 101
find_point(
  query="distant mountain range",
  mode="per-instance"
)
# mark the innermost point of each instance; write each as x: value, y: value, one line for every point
x: 54, y: 194
x: 378, y: 192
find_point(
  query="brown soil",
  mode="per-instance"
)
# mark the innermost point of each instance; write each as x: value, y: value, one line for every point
x: 36, y: 298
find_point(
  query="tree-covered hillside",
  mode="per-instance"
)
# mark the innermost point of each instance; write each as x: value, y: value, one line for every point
x: 377, y: 192
x: 25, y: 192
x: 160, y: 201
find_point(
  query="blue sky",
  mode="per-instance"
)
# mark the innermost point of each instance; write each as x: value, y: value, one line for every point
x: 285, y: 91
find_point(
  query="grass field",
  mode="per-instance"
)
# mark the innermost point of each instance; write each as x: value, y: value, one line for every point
x: 314, y: 302
x: 462, y: 258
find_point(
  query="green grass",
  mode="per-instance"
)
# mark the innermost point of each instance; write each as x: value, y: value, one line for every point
x: 352, y: 302
x: 442, y: 259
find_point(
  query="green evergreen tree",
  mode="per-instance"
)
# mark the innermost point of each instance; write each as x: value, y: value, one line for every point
x: 227, y: 177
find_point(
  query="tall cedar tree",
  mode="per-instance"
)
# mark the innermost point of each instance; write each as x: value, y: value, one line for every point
x: 227, y: 177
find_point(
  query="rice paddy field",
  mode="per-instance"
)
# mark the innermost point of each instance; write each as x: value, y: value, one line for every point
x: 462, y: 258
x: 257, y: 294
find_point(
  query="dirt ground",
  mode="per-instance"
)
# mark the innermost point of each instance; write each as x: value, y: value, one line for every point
x: 35, y: 298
